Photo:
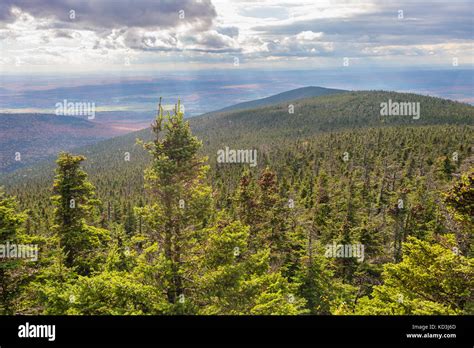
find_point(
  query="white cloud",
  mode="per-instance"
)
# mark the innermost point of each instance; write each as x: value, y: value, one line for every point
x: 214, y: 32
x: 308, y: 35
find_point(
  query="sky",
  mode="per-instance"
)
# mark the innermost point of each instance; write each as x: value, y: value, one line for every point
x: 96, y: 36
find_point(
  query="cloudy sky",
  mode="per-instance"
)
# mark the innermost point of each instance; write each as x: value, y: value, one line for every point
x: 69, y: 36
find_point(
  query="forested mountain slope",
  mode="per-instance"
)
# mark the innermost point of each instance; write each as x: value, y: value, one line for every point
x: 233, y: 238
x: 36, y: 136
x: 30, y: 138
x: 295, y: 94
x: 269, y: 126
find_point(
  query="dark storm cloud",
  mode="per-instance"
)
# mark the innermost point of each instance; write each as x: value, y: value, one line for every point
x: 424, y: 22
x: 112, y: 14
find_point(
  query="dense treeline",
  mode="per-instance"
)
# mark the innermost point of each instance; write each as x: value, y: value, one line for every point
x: 270, y: 125
x: 188, y: 235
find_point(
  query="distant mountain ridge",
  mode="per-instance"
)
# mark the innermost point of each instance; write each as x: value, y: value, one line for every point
x: 294, y: 94
x: 51, y: 134
x: 273, y: 126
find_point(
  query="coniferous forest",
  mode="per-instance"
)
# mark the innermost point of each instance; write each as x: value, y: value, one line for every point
x: 344, y: 213
x: 243, y: 172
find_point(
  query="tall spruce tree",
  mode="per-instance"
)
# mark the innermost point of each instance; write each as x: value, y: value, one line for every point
x: 74, y: 201
x: 234, y: 279
x: 181, y: 198
x: 10, y: 222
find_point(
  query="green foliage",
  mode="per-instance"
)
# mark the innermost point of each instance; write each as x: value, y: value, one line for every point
x: 175, y: 180
x: 174, y: 232
x: 460, y: 202
x: 10, y: 222
x: 233, y: 279
x: 114, y: 293
x: 73, y: 197
x: 430, y: 279
x: 461, y: 198
x: 317, y: 286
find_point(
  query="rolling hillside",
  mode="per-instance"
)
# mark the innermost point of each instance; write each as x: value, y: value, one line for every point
x: 334, y: 171
x: 48, y: 134
x: 294, y: 94
x: 269, y: 127
x: 37, y: 136
x: 29, y: 138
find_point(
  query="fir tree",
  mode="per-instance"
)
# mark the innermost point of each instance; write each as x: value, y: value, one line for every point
x: 74, y: 201
x: 181, y: 198
x: 10, y: 223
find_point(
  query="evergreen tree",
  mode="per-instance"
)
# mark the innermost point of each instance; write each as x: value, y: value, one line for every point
x: 10, y: 222
x: 430, y: 279
x: 74, y: 201
x: 234, y: 280
x: 460, y: 202
x: 181, y: 198
x: 317, y: 285
x: 246, y: 199
x: 274, y: 211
